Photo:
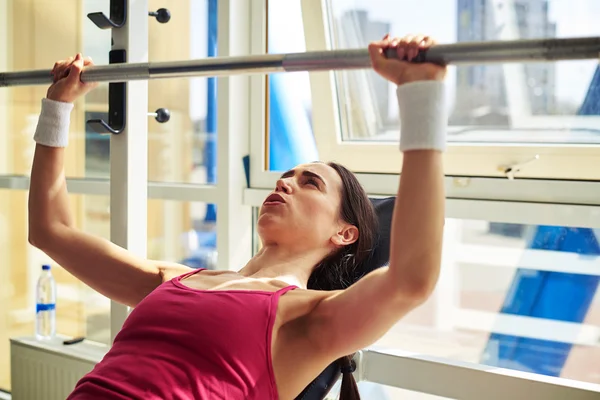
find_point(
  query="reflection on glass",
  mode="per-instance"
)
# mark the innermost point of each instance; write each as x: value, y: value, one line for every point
x: 513, y: 296
x: 80, y: 311
x: 532, y: 102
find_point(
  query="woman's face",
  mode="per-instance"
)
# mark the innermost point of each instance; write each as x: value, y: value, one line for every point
x: 304, y: 209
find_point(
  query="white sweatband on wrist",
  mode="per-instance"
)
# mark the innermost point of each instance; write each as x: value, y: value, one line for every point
x: 423, y: 115
x: 53, y: 125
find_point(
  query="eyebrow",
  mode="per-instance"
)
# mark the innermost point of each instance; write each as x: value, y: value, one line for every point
x: 292, y: 172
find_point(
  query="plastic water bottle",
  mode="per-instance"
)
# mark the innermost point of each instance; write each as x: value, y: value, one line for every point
x: 45, y: 313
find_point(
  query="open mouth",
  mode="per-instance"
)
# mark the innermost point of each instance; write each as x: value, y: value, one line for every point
x: 274, y: 199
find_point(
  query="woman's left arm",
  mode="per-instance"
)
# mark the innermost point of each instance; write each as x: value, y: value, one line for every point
x: 349, y: 320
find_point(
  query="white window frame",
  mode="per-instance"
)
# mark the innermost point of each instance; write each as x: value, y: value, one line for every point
x: 380, y: 177
x: 460, y: 380
x: 468, y: 159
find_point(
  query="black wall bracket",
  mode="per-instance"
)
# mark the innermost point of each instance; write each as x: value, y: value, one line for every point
x: 117, y: 101
x: 162, y: 15
x: 161, y: 115
x: 118, y: 16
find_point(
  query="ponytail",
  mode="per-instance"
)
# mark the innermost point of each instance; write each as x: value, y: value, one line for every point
x: 349, y: 389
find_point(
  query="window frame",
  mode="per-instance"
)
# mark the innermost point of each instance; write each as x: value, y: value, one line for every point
x: 563, y: 161
x: 381, y: 176
x: 380, y: 365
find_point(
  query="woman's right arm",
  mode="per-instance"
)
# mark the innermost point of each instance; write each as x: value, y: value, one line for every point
x: 102, y: 265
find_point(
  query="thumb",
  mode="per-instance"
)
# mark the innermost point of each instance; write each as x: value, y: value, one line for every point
x: 376, y: 53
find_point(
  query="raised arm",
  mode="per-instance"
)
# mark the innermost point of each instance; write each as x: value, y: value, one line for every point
x: 104, y: 266
x: 355, y: 318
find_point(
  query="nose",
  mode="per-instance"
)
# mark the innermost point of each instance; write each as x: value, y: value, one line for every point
x: 283, y: 186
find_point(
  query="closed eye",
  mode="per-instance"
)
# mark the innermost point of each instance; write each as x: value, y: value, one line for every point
x: 312, y: 181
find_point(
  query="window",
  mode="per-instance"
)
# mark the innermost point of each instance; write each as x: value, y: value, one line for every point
x: 184, y: 148
x: 514, y: 296
x: 80, y: 311
x: 96, y: 44
x: 179, y: 232
x: 501, y: 114
x: 35, y: 41
x: 289, y: 121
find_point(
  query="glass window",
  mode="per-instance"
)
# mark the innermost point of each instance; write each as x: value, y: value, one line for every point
x: 33, y: 40
x: 80, y: 311
x: 181, y: 232
x: 180, y: 150
x: 290, y: 134
x: 184, y: 148
x: 521, y: 297
x: 524, y: 103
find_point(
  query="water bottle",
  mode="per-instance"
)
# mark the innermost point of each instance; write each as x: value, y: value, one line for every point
x: 45, y: 312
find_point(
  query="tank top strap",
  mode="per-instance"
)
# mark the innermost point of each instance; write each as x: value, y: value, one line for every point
x: 193, y: 272
x: 283, y: 291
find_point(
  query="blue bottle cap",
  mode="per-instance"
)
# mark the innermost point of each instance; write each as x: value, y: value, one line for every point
x: 45, y: 267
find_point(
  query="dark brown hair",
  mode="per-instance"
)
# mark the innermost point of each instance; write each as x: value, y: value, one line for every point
x: 341, y: 269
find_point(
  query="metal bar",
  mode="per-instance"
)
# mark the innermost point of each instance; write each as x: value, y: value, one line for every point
x: 535, y: 50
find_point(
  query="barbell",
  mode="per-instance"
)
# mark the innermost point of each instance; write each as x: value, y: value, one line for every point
x: 506, y: 51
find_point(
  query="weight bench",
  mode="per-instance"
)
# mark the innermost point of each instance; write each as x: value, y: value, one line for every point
x: 380, y: 256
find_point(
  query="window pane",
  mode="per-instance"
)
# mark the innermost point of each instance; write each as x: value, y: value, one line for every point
x: 515, y: 296
x: 525, y: 103
x: 290, y: 134
x: 184, y: 148
x: 31, y: 39
x: 80, y: 311
x: 181, y: 232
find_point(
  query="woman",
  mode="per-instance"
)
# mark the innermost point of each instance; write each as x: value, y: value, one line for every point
x: 266, y: 331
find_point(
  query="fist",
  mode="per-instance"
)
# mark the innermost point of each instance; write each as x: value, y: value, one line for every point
x: 67, y: 85
x: 401, y: 70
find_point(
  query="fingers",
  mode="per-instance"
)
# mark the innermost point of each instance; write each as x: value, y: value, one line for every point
x: 62, y: 69
x: 410, y: 45
x: 75, y: 70
x: 87, y: 62
x: 407, y: 47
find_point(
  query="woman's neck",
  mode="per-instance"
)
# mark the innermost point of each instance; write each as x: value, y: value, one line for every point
x: 282, y: 264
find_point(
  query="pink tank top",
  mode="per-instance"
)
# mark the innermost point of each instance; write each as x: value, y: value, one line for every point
x: 184, y: 343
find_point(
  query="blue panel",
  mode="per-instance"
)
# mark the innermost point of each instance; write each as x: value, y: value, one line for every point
x: 551, y: 295
x: 210, y: 148
x: 591, y: 104
x: 291, y: 141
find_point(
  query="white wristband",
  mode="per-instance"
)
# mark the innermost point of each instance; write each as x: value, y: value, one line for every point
x: 53, y: 125
x: 423, y: 115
